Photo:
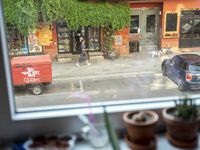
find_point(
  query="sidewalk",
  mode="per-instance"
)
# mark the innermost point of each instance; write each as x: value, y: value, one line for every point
x: 135, y: 63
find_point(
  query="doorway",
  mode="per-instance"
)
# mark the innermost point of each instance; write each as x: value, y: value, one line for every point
x: 145, y: 22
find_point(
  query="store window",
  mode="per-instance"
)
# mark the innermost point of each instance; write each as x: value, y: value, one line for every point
x: 17, y: 43
x: 190, y: 29
x: 63, y: 34
x: 93, y: 38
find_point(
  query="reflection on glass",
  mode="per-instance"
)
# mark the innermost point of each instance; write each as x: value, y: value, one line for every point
x: 134, y: 26
x: 94, y: 43
x: 197, y: 28
x: 186, y: 28
x: 63, y: 37
x: 150, y: 24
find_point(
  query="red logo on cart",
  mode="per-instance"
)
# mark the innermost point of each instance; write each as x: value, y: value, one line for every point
x: 31, y: 72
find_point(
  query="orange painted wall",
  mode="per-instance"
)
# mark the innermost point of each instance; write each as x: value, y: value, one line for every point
x: 52, y: 49
x: 124, y: 48
x: 176, y: 6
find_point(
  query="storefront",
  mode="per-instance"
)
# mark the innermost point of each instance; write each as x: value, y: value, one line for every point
x: 161, y: 24
x: 69, y: 40
x: 189, y: 28
x: 156, y: 23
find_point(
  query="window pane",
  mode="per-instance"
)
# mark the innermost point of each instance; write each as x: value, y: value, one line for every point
x: 197, y: 28
x: 171, y: 21
x: 150, y: 23
x: 94, y: 37
x: 63, y: 34
x: 134, y: 24
x: 67, y: 80
x: 186, y: 28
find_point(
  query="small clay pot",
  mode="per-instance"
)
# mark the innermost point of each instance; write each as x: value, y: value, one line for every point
x: 135, y: 146
x: 141, y: 132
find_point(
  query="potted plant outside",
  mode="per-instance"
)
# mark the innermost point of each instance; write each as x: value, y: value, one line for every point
x: 140, y: 127
x: 182, y: 123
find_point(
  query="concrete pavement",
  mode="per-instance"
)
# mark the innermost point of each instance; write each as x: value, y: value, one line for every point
x: 136, y: 63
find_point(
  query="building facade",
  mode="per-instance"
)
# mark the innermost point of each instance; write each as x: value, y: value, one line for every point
x: 154, y: 23
x: 162, y: 24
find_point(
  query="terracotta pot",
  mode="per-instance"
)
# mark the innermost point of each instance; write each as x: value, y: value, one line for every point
x: 135, y: 146
x: 181, y: 133
x: 140, y: 132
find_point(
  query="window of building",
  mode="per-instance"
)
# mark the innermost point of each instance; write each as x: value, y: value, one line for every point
x: 150, y: 26
x: 93, y: 38
x: 171, y: 24
x: 189, y: 29
x: 132, y: 82
x: 63, y: 34
x: 134, y: 25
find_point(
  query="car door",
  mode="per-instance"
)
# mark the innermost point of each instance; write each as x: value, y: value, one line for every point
x: 176, y: 69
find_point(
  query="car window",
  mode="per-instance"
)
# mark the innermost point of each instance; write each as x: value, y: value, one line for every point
x: 185, y: 66
x: 173, y: 60
x: 194, y: 67
x: 177, y: 62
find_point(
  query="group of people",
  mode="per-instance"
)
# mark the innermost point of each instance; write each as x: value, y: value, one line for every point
x: 84, y: 56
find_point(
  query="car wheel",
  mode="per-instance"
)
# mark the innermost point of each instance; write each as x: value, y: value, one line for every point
x: 182, y: 87
x: 164, y: 71
x: 37, y: 89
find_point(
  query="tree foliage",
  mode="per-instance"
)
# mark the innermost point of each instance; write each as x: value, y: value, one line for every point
x: 26, y: 13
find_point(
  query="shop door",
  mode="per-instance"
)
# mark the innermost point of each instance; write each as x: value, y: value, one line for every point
x: 149, y: 28
x: 190, y: 29
x: 145, y: 23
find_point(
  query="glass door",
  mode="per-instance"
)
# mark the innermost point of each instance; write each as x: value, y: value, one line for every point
x: 150, y: 28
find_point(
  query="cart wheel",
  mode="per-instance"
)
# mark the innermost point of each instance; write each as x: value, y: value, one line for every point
x: 37, y: 89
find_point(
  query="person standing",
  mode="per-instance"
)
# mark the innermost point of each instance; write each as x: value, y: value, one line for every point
x: 84, y: 56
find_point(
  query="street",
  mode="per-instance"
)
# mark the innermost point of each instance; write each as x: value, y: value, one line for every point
x: 138, y: 76
x: 100, y: 89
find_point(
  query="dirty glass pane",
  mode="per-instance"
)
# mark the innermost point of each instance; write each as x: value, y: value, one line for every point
x: 94, y: 64
x: 134, y: 25
x: 150, y: 23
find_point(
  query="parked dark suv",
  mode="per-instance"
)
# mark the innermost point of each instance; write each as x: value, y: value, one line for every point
x: 184, y: 70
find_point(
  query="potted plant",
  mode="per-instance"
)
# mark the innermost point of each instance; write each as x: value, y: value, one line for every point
x: 182, y: 123
x: 140, y: 127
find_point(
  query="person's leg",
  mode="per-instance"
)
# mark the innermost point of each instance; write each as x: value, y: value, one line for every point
x: 79, y: 61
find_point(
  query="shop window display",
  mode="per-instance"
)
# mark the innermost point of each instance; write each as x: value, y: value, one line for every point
x: 16, y: 42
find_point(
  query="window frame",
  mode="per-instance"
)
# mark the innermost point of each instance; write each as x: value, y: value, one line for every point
x: 171, y: 34
x: 125, y: 105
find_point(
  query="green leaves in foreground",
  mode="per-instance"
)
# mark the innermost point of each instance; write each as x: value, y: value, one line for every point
x: 111, y: 132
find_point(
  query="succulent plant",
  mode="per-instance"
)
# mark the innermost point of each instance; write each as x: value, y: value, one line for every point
x: 140, y: 117
x: 186, y: 109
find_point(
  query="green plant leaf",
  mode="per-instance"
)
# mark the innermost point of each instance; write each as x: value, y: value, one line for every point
x: 111, y: 133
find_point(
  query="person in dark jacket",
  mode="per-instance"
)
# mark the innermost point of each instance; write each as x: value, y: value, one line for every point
x: 84, y: 56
